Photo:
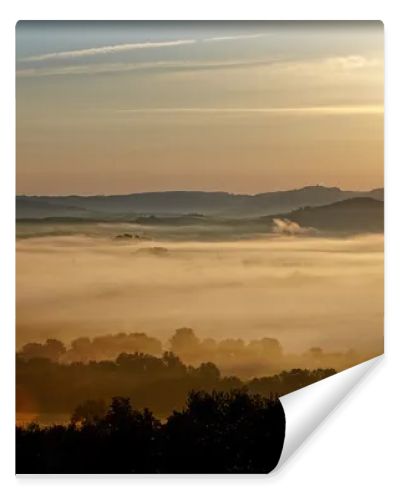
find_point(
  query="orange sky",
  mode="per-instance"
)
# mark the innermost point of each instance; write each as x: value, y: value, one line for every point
x: 242, y: 107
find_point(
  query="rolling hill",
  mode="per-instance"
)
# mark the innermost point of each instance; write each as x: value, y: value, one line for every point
x: 352, y: 215
x: 124, y: 207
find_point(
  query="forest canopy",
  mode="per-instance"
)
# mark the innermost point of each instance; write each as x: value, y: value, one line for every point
x: 233, y: 356
x: 159, y: 383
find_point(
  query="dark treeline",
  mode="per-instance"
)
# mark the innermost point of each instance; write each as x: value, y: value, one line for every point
x: 159, y: 383
x: 99, y: 348
x: 233, y: 356
x: 216, y: 432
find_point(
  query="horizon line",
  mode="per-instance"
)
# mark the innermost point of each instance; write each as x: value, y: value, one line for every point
x: 32, y: 195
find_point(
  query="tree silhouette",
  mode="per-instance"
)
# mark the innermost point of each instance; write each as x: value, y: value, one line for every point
x: 52, y: 349
x: 184, y: 341
x: 216, y: 432
x: 159, y: 383
x: 89, y: 413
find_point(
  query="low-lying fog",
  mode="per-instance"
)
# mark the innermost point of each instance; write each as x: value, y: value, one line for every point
x: 304, y: 291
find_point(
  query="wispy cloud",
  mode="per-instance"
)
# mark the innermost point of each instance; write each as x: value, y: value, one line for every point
x: 124, y: 47
x: 331, y: 67
x: 306, y: 110
x: 352, y: 62
x: 107, y: 49
x: 233, y: 37
x: 94, y: 68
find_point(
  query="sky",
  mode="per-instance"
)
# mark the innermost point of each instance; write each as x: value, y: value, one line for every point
x: 246, y: 107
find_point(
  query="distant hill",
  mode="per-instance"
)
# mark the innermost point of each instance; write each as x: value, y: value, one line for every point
x: 352, y: 215
x: 183, y: 202
x: 36, y: 208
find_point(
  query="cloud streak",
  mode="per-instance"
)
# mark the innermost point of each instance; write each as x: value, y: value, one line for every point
x: 107, y: 49
x: 307, y: 110
x: 80, y: 69
x: 333, y: 67
x: 125, y: 47
x: 233, y: 37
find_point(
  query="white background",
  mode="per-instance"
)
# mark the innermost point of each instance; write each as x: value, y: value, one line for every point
x: 354, y: 453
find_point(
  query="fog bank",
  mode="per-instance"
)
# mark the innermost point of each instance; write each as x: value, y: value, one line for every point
x: 302, y: 291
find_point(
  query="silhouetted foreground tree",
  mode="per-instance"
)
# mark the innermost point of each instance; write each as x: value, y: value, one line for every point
x: 217, y: 432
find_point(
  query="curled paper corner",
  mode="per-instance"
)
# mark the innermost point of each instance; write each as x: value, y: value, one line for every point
x: 307, y: 408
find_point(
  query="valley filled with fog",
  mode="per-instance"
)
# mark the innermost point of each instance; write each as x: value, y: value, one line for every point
x: 304, y: 289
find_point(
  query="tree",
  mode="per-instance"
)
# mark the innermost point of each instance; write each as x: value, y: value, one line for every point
x: 184, y: 342
x: 216, y: 432
x: 268, y: 347
x: 173, y: 363
x: 89, y: 413
x: 120, y: 413
x: 52, y: 349
x: 81, y: 349
x: 55, y: 349
x: 208, y: 372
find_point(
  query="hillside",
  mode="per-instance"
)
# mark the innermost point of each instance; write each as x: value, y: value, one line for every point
x: 353, y: 215
x: 183, y: 202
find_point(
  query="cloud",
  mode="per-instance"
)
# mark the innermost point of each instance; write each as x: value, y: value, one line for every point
x: 286, y: 226
x: 305, y: 110
x: 79, y: 69
x: 124, y: 47
x: 107, y: 49
x: 351, y: 62
x: 233, y: 37
x: 328, y: 68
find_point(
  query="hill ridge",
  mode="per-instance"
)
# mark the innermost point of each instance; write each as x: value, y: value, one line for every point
x: 181, y: 202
